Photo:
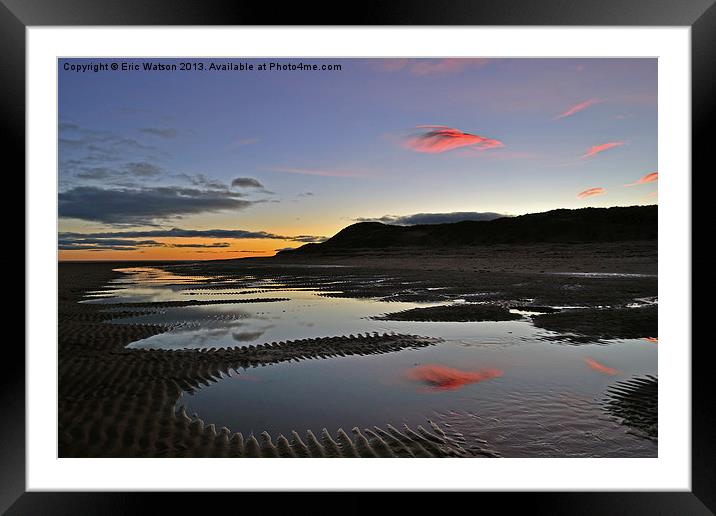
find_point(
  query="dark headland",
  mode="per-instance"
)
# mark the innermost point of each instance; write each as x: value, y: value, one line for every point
x: 565, y: 226
x: 619, y: 239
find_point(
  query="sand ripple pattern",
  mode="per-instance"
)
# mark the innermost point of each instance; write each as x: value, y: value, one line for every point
x: 118, y: 402
x: 635, y: 402
x: 197, y: 302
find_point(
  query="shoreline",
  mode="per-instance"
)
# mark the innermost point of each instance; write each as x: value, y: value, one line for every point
x: 627, y: 257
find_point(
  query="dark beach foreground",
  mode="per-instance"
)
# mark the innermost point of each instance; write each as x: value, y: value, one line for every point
x: 629, y: 257
x: 120, y: 402
x: 117, y: 402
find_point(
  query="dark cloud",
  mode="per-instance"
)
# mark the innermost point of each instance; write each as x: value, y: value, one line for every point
x: 68, y: 126
x: 72, y: 240
x: 80, y: 242
x: 96, y: 173
x: 83, y: 151
x: 203, y: 181
x: 72, y: 143
x: 308, y: 239
x: 144, y: 206
x: 131, y: 143
x: 162, y: 132
x: 110, y: 244
x: 142, y: 169
x: 191, y: 233
x: 246, y: 182
x: 433, y: 218
x: 77, y: 247
x: 99, y: 141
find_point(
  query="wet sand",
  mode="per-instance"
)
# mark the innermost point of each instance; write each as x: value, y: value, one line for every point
x: 115, y: 402
x: 453, y: 313
x: 119, y: 402
x: 196, y: 302
x: 638, y: 257
x: 609, y: 323
x: 635, y: 401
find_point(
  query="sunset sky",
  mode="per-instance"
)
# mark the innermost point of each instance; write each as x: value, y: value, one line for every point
x: 227, y: 164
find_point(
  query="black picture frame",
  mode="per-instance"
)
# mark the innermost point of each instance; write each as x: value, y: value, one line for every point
x: 17, y: 15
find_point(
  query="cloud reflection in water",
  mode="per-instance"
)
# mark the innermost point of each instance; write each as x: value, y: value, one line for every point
x: 443, y: 378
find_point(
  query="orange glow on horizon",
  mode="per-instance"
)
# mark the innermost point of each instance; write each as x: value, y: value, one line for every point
x: 238, y: 248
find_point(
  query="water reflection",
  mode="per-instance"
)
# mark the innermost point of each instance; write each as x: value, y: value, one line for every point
x: 507, y: 382
x: 443, y: 378
x: 541, y: 406
x: 600, y: 368
x: 246, y: 336
x: 303, y: 313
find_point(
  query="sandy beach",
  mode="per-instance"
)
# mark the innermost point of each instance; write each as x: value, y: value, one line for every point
x: 116, y: 401
x: 636, y: 257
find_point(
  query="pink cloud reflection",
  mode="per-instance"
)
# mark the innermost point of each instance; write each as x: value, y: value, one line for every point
x: 442, y: 378
x: 600, y: 368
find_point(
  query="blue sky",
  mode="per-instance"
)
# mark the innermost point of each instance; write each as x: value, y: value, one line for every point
x: 328, y: 147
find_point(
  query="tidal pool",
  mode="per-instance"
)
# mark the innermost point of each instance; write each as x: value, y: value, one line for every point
x: 514, y: 386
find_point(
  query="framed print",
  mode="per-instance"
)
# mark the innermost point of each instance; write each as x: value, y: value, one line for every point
x: 434, y: 238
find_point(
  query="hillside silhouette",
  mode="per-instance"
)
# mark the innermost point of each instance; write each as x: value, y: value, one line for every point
x: 583, y: 225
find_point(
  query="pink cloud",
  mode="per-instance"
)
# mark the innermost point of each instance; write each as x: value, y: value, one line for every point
x: 443, y: 378
x: 590, y: 192
x: 577, y: 108
x: 600, y: 368
x: 649, y: 178
x: 596, y: 149
x: 431, y: 66
x: 440, y: 138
